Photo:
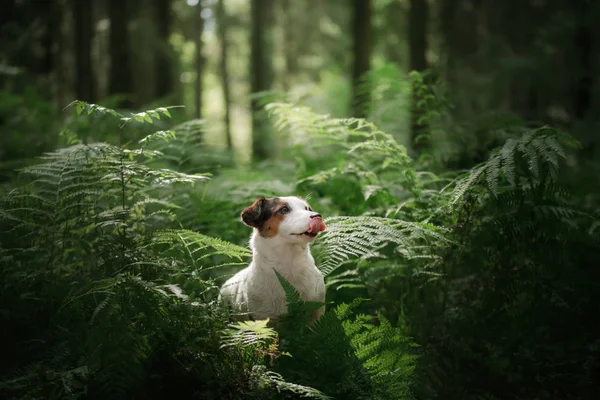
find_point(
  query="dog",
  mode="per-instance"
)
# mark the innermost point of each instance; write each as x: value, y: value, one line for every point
x: 283, y: 227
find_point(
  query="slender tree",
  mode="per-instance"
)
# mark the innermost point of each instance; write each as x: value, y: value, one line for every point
x: 199, y: 30
x: 49, y: 64
x: 48, y: 12
x: 395, y: 11
x: 584, y: 43
x: 417, y: 37
x: 222, y: 23
x: 60, y: 97
x: 120, y: 80
x: 362, y: 47
x: 261, y: 72
x: 586, y: 39
x: 84, y: 32
x: 164, y: 56
x: 448, y: 33
x: 290, y: 48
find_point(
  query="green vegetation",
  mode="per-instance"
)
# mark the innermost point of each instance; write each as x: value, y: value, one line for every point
x: 463, y: 230
x: 107, y: 290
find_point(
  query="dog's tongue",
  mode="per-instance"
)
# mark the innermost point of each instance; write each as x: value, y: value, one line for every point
x: 316, y: 225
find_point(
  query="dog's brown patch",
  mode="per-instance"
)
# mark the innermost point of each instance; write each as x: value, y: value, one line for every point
x: 264, y: 215
x: 271, y: 226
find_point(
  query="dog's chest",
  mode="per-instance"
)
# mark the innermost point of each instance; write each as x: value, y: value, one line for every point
x: 305, y: 280
x: 268, y: 294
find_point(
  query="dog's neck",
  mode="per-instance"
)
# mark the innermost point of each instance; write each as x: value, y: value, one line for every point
x: 277, y: 253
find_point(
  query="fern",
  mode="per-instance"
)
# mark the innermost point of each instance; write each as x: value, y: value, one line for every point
x: 117, y: 256
x: 534, y: 159
x: 83, y: 241
x: 262, y: 377
x: 88, y: 108
x: 506, y: 251
x: 355, y: 137
x: 299, y: 312
x: 354, y: 163
x: 148, y: 116
x: 350, y: 238
x: 141, y: 117
x: 195, y: 248
x: 368, y: 361
x: 262, y: 341
x: 162, y: 135
x: 248, y: 333
x: 386, y: 354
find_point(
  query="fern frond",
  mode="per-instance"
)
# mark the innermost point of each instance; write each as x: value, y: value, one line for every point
x: 89, y: 108
x: 198, y: 249
x: 298, y: 311
x: 360, y: 237
x: 291, y: 294
x: 148, y: 116
x: 369, y: 360
x: 348, y: 279
x: 262, y: 377
x: 386, y: 354
x: 248, y: 333
x: 159, y: 135
x: 168, y: 177
x: 529, y: 160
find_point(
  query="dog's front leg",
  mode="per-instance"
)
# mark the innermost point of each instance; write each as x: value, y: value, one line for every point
x: 317, y: 314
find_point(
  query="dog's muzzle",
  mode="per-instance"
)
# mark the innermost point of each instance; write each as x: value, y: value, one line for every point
x: 315, y: 225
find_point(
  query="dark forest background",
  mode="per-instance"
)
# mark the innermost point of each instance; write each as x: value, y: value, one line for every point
x: 453, y: 143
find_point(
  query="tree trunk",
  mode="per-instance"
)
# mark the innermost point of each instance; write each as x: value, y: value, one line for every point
x: 120, y: 80
x: 222, y: 32
x: 417, y: 37
x: 290, y: 48
x: 60, y: 95
x: 84, y: 32
x: 164, y: 56
x: 393, y: 47
x: 448, y: 32
x: 584, y: 61
x: 199, y: 22
x: 261, y: 73
x: 49, y: 12
x: 49, y: 65
x: 361, y: 29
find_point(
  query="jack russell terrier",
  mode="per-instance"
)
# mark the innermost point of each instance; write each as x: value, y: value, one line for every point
x: 283, y: 228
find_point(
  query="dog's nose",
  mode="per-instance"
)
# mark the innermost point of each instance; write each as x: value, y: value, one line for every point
x: 315, y: 216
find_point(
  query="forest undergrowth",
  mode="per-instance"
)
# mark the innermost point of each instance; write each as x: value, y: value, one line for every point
x: 466, y: 285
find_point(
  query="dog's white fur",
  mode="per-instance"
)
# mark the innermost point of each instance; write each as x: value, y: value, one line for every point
x: 255, y: 291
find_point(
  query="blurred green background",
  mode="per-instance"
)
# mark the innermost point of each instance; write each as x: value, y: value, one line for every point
x: 495, y: 64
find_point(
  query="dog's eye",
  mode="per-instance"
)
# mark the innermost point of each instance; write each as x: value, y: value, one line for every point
x: 284, y: 210
x: 309, y: 209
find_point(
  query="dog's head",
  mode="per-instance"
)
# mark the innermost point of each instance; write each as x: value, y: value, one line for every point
x: 290, y: 218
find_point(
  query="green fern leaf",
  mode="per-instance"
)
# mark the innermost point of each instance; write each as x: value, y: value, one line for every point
x: 347, y: 238
x: 248, y: 333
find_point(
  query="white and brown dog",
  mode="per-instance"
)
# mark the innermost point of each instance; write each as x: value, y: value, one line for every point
x: 283, y: 228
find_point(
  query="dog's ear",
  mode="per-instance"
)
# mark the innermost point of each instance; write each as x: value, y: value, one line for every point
x: 256, y: 215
